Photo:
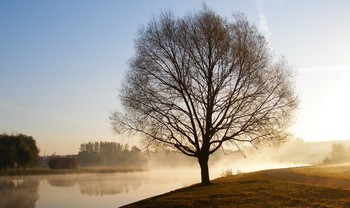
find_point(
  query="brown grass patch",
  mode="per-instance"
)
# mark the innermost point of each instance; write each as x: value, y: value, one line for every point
x: 272, y: 188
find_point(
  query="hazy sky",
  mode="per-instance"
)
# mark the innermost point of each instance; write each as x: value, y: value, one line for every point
x: 61, y: 62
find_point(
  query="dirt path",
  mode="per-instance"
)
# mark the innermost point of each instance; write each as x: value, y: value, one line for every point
x: 289, y: 175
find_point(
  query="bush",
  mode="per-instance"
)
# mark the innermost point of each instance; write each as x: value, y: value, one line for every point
x: 63, y: 163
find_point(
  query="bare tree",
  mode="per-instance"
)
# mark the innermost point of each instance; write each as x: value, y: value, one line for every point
x: 199, y: 82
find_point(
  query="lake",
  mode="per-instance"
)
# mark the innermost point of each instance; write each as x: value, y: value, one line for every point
x: 99, y: 190
x: 91, y: 190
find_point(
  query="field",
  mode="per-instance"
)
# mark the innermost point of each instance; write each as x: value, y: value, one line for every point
x: 314, y: 186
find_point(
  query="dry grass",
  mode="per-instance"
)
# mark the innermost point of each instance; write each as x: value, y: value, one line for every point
x: 337, y: 171
x: 297, y: 187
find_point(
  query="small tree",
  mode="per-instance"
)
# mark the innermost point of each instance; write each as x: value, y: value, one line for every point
x: 200, y: 82
x: 339, y: 154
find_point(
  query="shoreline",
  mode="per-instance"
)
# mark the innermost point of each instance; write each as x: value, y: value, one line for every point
x: 307, y: 186
x: 39, y: 172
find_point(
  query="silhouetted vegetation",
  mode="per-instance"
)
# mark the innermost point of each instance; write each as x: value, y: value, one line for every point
x: 17, y: 151
x: 63, y: 163
x: 200, y: 83
x: 110, y: 154
x: 121, y: 155
x: 340, y: 153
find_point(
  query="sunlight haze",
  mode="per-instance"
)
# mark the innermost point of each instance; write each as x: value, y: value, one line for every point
x: 62, y: 63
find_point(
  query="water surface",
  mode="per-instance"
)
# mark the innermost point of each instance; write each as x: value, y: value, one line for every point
x: 90, y: 190
x: 101, y: 190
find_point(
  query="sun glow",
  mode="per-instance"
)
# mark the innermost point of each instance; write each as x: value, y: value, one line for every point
x: 324, y: 109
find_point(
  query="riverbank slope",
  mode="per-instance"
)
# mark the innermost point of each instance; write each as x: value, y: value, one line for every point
x: 312, y: 186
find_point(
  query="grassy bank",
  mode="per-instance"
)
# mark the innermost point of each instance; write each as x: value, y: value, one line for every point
x: 315, y: 186
x: 47, y: 171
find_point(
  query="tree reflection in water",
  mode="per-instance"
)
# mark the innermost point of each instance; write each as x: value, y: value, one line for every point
x: 21, y: 193
x: 61, y: 181
x: 103, y: 186
x: 97, y: 185
x: 89, y: 190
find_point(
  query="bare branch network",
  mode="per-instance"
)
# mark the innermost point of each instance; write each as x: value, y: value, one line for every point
x: 198, y: 82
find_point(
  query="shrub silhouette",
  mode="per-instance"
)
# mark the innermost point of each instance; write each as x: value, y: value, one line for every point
x: 63, y: 163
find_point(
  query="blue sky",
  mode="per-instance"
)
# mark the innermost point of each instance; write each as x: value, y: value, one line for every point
x: 61, y: 62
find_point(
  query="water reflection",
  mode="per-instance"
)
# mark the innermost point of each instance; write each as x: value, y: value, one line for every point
x: 89, y: 190
x: 18, y: 192
x: 100, y: 186
x: 61, y: 182
x: 97, y: 185
x: 92, y: 190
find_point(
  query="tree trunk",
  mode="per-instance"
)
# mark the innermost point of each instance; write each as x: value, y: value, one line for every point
x: 203, y: 163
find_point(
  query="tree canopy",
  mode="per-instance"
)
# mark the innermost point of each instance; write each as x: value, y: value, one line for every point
x: 110, y: 153
x: 17, y: 151
x: 199, y: 82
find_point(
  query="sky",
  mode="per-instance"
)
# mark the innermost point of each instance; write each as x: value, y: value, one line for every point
x: 62, y: 63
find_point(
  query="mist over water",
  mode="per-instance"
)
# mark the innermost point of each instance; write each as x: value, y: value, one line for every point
x: 90, y: 190
x: 117, y: 189
x: 18, y: 192
x: 94, y: 190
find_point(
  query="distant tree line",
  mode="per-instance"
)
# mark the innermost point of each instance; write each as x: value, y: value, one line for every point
x: 122, y: 155
x: 110, y: 154
x: 17, y: 151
